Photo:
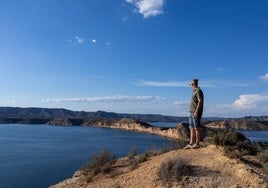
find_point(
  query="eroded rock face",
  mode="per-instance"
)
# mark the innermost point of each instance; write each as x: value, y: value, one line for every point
x: 179, y: 132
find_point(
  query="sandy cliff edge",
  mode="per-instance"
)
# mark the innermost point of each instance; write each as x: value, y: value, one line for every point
x: 210, y: 169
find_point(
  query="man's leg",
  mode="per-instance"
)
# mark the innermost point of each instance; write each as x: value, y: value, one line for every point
x: 197, y: 136
x: 192, y: 132
x: 192, y: 135
x: 197, y: 133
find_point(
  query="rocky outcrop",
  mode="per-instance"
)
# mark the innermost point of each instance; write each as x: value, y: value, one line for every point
x: 238, y: 124
x: 179, y: 132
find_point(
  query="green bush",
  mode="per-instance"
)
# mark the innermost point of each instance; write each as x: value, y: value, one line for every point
x: 173, y: 169
x: 235, y: 144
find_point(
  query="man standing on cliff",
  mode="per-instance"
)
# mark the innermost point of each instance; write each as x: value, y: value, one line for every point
x: 196, y: 111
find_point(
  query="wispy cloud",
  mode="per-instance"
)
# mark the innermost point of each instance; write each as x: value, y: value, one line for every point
x: 79, y: 40
x: 162, y: 84
x: 125, y: 18
x: 220, y: 69
x: 113, y: 99
x: 212, y: 84
x: 148, y: 8
x: 264, y: 77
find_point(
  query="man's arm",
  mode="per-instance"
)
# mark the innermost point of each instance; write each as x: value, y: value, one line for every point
x: 198, y: 107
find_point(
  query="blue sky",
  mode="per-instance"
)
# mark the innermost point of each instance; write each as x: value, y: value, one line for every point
x: 135, y: 56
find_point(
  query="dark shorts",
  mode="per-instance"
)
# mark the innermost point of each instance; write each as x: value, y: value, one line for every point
x: 194, y: 122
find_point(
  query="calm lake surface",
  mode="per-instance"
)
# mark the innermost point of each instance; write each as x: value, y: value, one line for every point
x: 42, y: 155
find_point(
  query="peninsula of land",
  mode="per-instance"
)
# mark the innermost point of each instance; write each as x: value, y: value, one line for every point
x: 58, y: 116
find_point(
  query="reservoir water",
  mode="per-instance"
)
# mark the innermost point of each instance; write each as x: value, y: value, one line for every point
x: 42, y: 155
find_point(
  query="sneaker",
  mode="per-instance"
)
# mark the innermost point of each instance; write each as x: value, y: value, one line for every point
x: 195, y: 146
x: 189, y: 146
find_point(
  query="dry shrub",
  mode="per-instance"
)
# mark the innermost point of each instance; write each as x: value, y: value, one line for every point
x: 134, y: 162
x: 263, y: 156
x: 173, y: 169
x: 132, y: 153
x: 101, y: 163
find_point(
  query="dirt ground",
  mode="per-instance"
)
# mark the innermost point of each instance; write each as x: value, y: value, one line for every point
x: 210, y: 168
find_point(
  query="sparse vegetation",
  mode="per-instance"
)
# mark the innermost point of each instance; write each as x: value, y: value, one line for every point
x: 105, y: 163
x: 135, y: 160
x: 173, y: 169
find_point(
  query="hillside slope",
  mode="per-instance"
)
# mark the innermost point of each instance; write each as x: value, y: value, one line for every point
x: 210, y: 168
x: 49, y: 113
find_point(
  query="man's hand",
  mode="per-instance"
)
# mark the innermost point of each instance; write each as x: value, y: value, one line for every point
x: 195, y: 115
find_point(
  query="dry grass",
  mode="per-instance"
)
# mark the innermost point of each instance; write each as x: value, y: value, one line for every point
x: 172, y: 170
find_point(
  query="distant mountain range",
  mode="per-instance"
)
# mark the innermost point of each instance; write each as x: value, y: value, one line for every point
x: 49, y: 113
x: 35, y: 115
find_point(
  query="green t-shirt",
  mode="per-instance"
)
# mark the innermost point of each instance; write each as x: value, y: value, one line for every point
x: 197, y: 94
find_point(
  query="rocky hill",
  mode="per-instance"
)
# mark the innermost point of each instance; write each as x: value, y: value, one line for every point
x: 208, y: 168
x: 15, y: 113
x: 181, y: 131
x: 239, y: 124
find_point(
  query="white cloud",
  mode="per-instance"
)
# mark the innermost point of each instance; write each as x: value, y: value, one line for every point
x: 94, y: 40
x: 250, y: 100
x: 248, y: 104
x: 264, y: 77
x: 113, y: 99
x: 148, y: 8
x: 79, y: 40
